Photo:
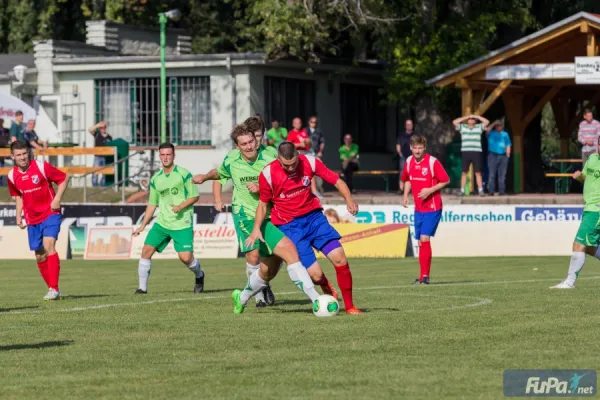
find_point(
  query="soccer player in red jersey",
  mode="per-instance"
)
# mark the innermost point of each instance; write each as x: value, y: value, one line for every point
x: 297, y: 212
x: 30, y: 184
x: 426, y: 176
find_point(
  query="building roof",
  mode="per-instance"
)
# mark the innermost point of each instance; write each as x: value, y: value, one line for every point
x: 593, y: 18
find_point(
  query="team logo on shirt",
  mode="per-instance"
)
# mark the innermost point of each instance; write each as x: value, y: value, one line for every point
x: 424, y: 171
x: 282, y: 195
x: 174, y: 191
x: 35, y: 179
x: 305, y: 180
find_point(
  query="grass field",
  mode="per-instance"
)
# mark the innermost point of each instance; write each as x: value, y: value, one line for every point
x: 452, y: 339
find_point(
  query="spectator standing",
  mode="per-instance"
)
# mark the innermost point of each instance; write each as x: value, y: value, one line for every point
x: 318, y: 145
x: 16, y: 128
x: 589, y: 130
x: 471, y: 147
x: 403, y: 150
x: 101, y: 137
x: 276, y: 134
x: 349, y: 158
x: 299, y: 137
x: 499, y: 147
x: 4, y: 143
x: 32, y: 139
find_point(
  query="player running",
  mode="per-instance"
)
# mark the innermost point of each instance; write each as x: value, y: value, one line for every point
x: 172, y: 191
x: 588, y: 235
x: 298, y: 213
x: 243, y: 170
x: 30, y: 184
x: 426, y: 176
x: 253, y: 124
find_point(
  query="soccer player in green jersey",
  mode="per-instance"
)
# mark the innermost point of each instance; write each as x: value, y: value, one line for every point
x: 588, y: 235
x: 254, y: 124
x: 243, y: 170
x: 174, y: 193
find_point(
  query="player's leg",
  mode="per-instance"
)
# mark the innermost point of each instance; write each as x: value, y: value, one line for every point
x: 326, y: 239
x: 256, y: 282
x: 588, y: 235
x: 431, y: 221
x: 419, y: 216
x: 36, y: 244
x: 243, y: 229
x: 318, y: 277
x: 183, y: 242
x: 252, y: 265
x: 156, y: 240
x: 50, y: 232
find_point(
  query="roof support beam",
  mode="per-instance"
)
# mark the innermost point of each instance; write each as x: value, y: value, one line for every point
x: 491, y: 99
x: 550, y: 94
x: 591, y: 44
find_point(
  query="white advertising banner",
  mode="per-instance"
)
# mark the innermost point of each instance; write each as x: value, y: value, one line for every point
x: 14, y: 243
x: 587, y: 70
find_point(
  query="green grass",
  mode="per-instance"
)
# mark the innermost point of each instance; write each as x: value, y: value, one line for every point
x: 452, y: 339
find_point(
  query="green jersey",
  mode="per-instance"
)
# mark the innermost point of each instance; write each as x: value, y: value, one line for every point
x: 242, y: 173
x: 277, y: 135
x: 470, y: 137
x: 171, y: 190
x: 348, y: 153
x: 271, y: 152
x: 591, y: 187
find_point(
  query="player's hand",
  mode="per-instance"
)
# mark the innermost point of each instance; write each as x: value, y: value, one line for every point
x: 176, y: 208
x: 199, y: 179
x: 139, y: 230
x: 405, y: 202
x: 425, y: 193
x: 320, y: 154
x: 55, y: 205
x: 577, y: 175
x: 252, y: 238
x: 219, y: 205
x: 20, y: 223
x: 253, y: 187
x: 352, y: 207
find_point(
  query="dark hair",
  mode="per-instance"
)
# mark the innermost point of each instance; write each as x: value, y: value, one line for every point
x: 587, y: 111
x: 287, y: 150
x: 240, y: 130
x: 418, y: 139
x: 18, y: 145
x: 19, y: 113
x: 254, y: 124
x: 166, y: 145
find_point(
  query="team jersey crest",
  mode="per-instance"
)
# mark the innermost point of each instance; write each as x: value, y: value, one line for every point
x: 305, y: 180
x: 35, y: 179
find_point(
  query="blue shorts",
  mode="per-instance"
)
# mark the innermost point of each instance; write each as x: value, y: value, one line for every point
x: 310, y: 230
x: 426, y: 223
x: 49, y: 228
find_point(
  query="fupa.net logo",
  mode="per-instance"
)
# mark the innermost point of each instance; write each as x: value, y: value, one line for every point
x: 554, y: 383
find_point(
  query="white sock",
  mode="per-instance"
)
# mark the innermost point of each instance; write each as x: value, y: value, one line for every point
x: 144, y: 266
x: 575, y: 267
x: 194, y: 266
x: 300, y: 277
x: 249, y: 271
x: 255, y: 285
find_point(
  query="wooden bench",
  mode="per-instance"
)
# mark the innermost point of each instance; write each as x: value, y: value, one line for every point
x: 382, y: 173
x: 565, y: 172
x: 71, y: 151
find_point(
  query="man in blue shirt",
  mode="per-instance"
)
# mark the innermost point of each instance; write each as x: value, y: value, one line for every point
x: 499, y: 146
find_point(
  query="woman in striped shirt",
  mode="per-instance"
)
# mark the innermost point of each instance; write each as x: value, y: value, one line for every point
x: 471, y: 147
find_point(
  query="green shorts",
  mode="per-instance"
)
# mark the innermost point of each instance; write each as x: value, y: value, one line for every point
x: 159, y: 238
x: 589, y: 229
x: 270, y: 232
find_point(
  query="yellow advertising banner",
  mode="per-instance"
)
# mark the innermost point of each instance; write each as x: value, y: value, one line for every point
x: 373, y: 240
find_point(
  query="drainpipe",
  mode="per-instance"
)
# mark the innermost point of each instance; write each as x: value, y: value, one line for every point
x: 233, y: 93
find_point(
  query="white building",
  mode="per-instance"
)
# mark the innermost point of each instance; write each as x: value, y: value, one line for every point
x: 115, y: 77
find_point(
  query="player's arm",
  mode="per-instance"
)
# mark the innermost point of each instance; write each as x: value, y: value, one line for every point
x: 407, y: 186
x: 265, y: 195
x: 211, y: 175
x: 579, y: 176
x: 60, y: 190
x: 19, y: 209
x: 192, y: 190
x: 59, y: 178
x: 334, y: 179
x: 150, y: 208
x: 217, y: 191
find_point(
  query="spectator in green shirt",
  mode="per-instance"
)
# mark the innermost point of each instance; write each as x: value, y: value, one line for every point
x: 349, y: 158
x: 16, y: 128
x: 276, y: 134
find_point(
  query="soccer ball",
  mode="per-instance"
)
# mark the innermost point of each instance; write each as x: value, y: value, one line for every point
x: 326, y: 306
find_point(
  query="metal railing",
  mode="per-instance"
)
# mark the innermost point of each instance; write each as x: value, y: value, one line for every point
x: 117, y: 164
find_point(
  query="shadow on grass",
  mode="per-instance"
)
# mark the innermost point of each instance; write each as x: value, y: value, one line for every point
x: 205, y: 291
x: 291, y: 302
x: 18, y: 308
x: 84, y: 296
x: 453, y: 282
x: 42, y: 345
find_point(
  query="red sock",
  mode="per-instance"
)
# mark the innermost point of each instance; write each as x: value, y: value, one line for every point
x: 323, y: 282
x: 53, y: 271
x: 344, y: 279
x: 425, y: 259
x: 43, y: 267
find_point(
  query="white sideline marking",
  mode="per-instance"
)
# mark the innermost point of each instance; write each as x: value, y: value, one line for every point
x: 481, y: 300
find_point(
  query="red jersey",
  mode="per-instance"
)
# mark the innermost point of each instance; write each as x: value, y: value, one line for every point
x: 425, y: 174
x: 290, y: 194
x: 295, y: 137
x: 35, y: 187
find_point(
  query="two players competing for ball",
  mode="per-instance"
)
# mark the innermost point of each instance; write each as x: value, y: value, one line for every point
x: 30, y: 184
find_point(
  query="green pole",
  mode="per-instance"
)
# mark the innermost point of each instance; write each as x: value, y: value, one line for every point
x: 162, y: 19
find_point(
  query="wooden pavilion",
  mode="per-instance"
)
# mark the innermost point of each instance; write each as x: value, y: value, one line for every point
x: 529, y: 73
